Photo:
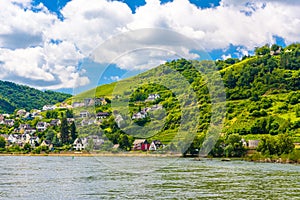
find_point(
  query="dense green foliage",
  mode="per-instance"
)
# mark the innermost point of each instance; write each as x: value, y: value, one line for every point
x: 262, y: 92
x: 14, y: 96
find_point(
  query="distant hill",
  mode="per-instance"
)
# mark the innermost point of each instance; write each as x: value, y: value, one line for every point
x: 14, y: 96
x: 262, y: 94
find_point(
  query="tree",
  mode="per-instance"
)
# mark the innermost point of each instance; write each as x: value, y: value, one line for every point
x: 277, y: 145
x: 284, y: 144
x: 73, y: 131
x: 2, y: 142
x: 267, y: 145
x: 124, y: 142
x: 50, y: 134
x: 55, y: 141
x: 27, y: 147
x: 234, y: 146
x: 262, y: 50
x: 64, y: 131
x: 69, y: 113
x: 275, y: 47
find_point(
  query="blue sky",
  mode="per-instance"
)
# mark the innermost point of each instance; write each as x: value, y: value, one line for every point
x: 50, y: 44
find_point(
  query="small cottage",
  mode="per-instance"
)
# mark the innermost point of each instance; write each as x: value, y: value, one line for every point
x: 141, y: 144
x: 41, y: 126
x: 84, y: 114
x: 155, y: 144
x: 102, y: 115
x: 253, y: 144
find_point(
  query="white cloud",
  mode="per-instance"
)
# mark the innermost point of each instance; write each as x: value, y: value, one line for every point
x: 114, y: 78
x: 29, y: 55
x: 224, y: 57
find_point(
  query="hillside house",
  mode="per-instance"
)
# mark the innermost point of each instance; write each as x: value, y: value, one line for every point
x: 276, y: 52
x: 141, y: 144
x: 34, y: 141
x: 84, y: 114
x: 100, y: 101
x: 47, y: 143
x: 155, y: 144
x: 55, y: 122
x: 102, y: 115
x: 156, y: 107
x: 80, y: 144
x: 25, y: 129
x: 13, y: 138
x: 41, y: 126
x: 1, y: 119
x: 86, y: 122
x: 253, y: 144
x: 140, y: 115
x: 30, y: 131
x: 21, y: 113
x: 153, y: 97
x: 49, y: 107
x: 9, y: 122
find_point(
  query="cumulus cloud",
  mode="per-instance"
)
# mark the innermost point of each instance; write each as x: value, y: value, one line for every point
x: 42, y: 50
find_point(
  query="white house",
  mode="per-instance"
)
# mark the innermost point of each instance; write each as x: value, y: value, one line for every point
x: 155, y: 144
x: 153, y: 97
x: 253, y: 143
x: 49, y: 107
x: 13, y: 138
x: 140, y: 115
x: 80, y: 144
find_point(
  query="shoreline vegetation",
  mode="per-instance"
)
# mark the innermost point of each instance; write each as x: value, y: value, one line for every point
x: 257, y: 157
x: 97, y: 154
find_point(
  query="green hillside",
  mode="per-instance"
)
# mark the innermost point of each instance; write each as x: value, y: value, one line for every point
x: 14, y: 96
x: 262, y: 97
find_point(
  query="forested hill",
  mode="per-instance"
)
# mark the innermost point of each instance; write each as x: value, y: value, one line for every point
x: 14, y: 96
x: 262, y: 95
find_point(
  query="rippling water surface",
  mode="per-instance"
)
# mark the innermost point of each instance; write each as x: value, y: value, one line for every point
x: 144, y: 178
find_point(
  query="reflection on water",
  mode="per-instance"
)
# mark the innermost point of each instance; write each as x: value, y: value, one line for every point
x: 94, y: 178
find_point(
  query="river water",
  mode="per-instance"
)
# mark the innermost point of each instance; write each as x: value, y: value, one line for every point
x: 144, y: 178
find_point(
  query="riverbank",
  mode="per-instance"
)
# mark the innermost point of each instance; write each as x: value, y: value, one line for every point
x: 97, y: 154
x: 252, y: 158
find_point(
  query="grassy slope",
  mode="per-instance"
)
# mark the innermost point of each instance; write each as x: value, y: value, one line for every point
x: 239, y: 118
